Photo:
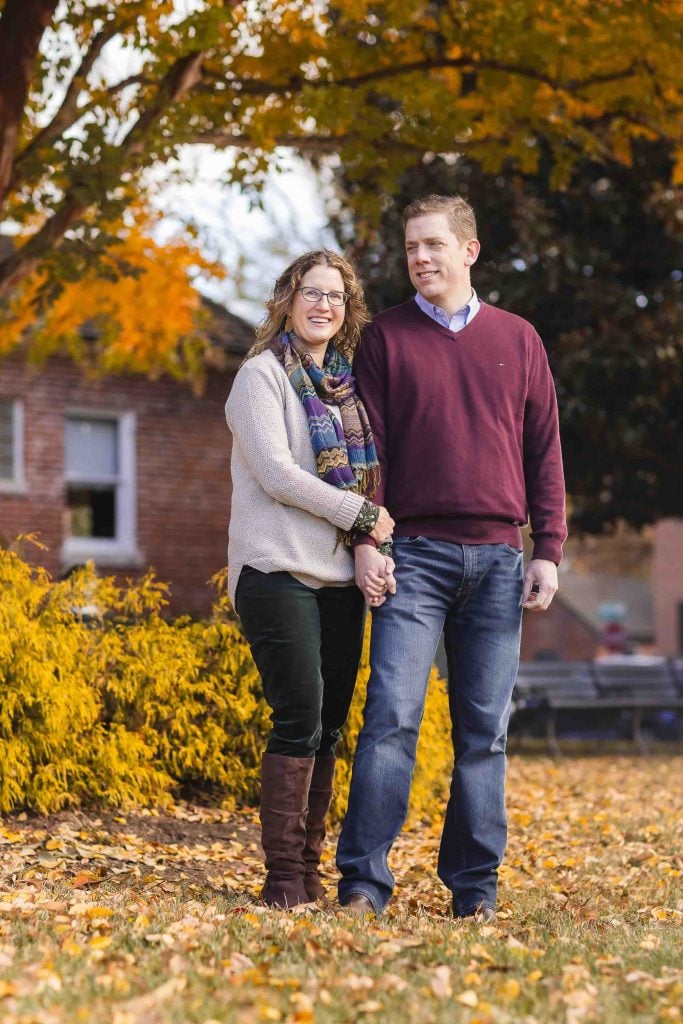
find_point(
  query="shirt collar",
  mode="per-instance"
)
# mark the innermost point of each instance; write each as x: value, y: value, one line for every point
x: 461, y: 316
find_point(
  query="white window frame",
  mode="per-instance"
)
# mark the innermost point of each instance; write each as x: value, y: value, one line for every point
x: 122, y: 550
x: 16, y: 484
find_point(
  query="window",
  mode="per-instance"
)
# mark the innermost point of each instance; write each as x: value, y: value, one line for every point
x: 11, y: 446
x: 92, y: 461
x: 99, y: 466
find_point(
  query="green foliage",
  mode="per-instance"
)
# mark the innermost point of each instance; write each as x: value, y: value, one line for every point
x: 106, y: 702
x: 597, y: 269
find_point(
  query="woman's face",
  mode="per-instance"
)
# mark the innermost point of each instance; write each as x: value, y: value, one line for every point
x: 317, y: 322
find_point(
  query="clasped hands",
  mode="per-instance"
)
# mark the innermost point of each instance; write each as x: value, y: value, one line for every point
x: 374, y: 571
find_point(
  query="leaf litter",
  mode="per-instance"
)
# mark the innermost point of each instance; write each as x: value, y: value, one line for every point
x: 154, y: 917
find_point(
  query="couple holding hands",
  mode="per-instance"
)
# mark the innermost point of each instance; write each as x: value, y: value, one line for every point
x: 401, y: 485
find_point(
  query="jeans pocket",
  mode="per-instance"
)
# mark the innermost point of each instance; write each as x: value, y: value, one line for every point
x: 512, y: 550
x: 408, y: 540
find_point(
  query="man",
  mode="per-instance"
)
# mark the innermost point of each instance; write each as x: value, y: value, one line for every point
x: 464, y: 414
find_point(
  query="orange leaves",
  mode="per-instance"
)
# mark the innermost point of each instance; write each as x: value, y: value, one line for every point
x: 138, y: 304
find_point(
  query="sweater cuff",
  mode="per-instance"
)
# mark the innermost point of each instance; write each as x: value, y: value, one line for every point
x: 549, y: 549
x: 348, y: 510
x: 362, y: 538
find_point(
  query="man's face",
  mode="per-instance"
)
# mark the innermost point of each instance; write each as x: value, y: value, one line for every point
x: 438, y: 262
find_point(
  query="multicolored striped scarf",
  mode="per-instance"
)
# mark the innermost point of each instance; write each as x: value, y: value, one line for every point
x: 344, y: 452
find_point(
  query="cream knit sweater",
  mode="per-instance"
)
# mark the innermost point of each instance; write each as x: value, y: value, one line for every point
x: 283, y: 516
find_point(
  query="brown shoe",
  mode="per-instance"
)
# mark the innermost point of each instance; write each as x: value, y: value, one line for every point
x: 358, y: 905
x: 284, y: 805
x: 319, y: 797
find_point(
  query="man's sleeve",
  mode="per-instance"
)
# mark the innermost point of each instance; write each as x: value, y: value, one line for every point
x: 370, y: 371
x: 543, y: 472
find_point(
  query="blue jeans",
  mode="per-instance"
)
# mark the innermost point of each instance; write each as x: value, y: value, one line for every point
x: 472, y: 592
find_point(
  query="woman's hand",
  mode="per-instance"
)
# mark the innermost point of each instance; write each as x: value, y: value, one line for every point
x: 383, y: 528
x: 374, y: 575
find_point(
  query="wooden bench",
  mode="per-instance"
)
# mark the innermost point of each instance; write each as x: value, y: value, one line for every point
x: 677, y: 670
x: 639, y: 689
x: 545, y: 690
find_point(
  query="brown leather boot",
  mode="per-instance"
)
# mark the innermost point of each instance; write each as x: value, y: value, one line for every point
x: 319, y: 796
x: 284, y: 804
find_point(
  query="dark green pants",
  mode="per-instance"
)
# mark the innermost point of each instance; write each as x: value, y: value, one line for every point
x: 306, y: 644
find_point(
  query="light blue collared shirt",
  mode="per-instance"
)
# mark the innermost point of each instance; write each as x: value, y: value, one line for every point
x: 461, y: 318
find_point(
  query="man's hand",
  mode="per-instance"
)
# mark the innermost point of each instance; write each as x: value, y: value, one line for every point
x: 542, y: 576
x: 374, y: 574
x: 389, y: 566
x: 383, y: 528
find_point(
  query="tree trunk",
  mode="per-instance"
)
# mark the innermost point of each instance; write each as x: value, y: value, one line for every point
x: 21, y: 28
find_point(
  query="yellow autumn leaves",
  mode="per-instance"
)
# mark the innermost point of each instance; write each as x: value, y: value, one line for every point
x: 153, y: 918
x: 126, y: 706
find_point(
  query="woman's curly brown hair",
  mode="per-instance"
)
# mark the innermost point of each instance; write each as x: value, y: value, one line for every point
x: 278, y: 306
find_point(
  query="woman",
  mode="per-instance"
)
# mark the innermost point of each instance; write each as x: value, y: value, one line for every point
x: 302, y: 460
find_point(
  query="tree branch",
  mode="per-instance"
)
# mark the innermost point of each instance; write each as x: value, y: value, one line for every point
x: 27, y: 259
x: 180, y: 79
x: 576, y: 84
x: 307, y: 143
x: 69, y: 111
x: 177, y: 82
x: 321, y: 144
x: 252, y: 87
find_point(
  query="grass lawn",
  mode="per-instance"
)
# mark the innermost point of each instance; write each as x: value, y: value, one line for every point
x: 150, y: 918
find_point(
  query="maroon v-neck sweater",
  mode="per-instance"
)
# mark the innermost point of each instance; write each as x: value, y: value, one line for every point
x: 466, y: 428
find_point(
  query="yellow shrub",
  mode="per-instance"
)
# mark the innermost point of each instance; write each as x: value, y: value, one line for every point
x: 119, y: 705
x: 105, y: 701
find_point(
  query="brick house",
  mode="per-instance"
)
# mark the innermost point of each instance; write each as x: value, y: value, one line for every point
x: 127, y: 471
x: 667, y: 585
x: 560, y: 633
x: 572, y: 629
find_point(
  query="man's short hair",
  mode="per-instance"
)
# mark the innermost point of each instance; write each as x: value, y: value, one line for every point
x: 460, y: 214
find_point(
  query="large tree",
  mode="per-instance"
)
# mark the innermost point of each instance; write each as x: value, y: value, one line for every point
x: 598, y: 268
x: 377, y: 83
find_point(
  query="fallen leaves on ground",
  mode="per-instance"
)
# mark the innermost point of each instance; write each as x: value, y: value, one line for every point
x: 155, y: 918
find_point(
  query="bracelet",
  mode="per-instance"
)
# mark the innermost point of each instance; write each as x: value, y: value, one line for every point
x: 367, y: 517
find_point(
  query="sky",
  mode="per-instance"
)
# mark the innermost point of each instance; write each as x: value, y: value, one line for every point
x: 254, y: 244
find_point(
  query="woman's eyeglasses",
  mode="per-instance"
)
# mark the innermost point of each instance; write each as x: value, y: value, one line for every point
x: 315, y: 295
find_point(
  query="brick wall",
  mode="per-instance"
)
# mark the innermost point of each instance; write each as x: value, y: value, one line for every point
x: 183, y: 480
x: 667, y: 585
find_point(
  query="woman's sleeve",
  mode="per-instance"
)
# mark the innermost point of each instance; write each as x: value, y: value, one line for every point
x: 255, y: 414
